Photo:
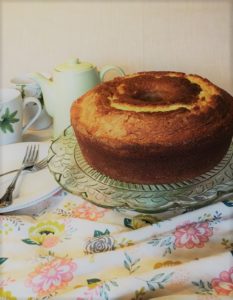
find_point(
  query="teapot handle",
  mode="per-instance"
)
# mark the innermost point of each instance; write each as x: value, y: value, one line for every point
x: 108, y: 68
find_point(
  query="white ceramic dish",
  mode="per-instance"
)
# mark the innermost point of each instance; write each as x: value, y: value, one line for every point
x: 32, y: 188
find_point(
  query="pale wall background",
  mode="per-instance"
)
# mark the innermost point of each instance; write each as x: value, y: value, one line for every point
x: 190, y: 35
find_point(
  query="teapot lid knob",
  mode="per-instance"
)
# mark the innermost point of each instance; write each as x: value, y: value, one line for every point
x: 73, y: 61
x: 74, y: 65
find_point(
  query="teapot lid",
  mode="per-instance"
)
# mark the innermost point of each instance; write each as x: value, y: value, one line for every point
x: 74, y: 65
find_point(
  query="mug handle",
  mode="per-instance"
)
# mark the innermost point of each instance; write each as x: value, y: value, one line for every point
x: 37, y: 102
x: 108, y: 68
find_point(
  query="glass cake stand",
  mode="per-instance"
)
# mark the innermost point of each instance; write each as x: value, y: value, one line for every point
x: 73, y: 173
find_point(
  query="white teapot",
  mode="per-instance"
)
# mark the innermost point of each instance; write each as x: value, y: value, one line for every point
x: 69, y: 81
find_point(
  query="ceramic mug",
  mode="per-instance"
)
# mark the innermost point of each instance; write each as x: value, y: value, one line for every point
x: 12, y: 109
x: 29, y: 88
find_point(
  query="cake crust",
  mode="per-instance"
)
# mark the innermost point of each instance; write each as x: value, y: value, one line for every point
x: 154, y: 127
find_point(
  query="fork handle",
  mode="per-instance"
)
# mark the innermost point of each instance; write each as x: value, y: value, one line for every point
x: 7, y: 198
x: 9, y: 172
x: 13, y: 171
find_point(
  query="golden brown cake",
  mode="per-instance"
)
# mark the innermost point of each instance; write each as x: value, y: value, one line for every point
x: 154, y: 127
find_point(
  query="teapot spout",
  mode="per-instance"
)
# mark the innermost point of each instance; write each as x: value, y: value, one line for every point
x: 47, y: 89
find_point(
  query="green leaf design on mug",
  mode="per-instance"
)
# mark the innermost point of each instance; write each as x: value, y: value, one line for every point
x: 7, y: 119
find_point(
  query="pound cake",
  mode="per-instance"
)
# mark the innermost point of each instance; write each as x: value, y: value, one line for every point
x: 154, y: 127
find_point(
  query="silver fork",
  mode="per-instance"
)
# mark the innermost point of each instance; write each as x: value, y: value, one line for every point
x: 36, y: 167
x: 29, y: 159
x: 39, y: 165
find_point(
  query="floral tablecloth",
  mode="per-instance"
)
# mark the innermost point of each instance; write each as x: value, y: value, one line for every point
x: 76, y: 250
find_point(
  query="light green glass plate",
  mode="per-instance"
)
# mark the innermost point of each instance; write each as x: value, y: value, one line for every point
x: 72, y: 172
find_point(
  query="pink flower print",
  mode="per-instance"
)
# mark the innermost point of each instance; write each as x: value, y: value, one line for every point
x: 6, y: 282
x: 223, y: 285
x: 50, y: 241
x: 89, y: 211
x: 92, y: 293
x: 192, y: 235
x: 51, y: 276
